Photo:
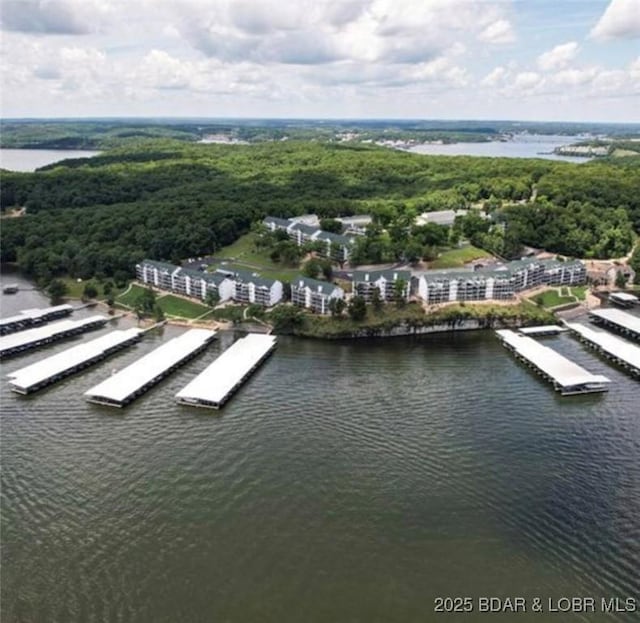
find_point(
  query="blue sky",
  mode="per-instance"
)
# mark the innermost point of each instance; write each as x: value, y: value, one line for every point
x: 574, y: 60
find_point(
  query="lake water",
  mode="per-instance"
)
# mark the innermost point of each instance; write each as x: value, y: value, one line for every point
x: 521, y: 146
x: 345, y: 482
x: 32, y: 159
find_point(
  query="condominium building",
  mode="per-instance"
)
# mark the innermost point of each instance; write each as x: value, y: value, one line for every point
x: 313, y: 294
x: 365, y: 282
x: 335, y: 246
x: 500, y: 283
x: 241, y: 286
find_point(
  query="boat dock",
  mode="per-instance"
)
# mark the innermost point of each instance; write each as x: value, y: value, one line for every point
x: 623, y: 299
x: 549, y: 329
x: 621, y: 321
x: 33, y: 338
x: 620, y: 351
x: 29, y: 318
x: 126, y: 385
x: 567, y: 377
x: 215, y: 385
x: 58, y: 366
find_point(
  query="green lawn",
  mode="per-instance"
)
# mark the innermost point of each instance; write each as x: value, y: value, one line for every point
x: 75, y: 288
x: 455, y: 258
x: 244, y: 256
x: 129, y: 297
x: 551, y: 298
x: 182, y: 308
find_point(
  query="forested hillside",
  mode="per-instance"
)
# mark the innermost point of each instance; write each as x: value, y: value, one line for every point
x: 169, y: 200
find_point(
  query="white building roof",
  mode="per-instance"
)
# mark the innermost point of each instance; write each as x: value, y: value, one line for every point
x: 23, y: 338
x: 127, y: 381
x: 563, y: 371
x: 619, y: 317
x: 219, y: 379
x: 611, y: 344
x: 60, y: 363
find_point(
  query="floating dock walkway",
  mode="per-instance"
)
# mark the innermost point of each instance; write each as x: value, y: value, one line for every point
x: 134, y: 380
x: 215, y: 385
x: 620, y: 351
x: 29, y: 318
x: 33, y: 338
x: 567, y: 377
x: 58, y: 366
x: 549, y: 329
x: 621, y: 321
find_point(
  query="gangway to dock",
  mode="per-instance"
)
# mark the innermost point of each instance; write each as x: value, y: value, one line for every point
x: 29, y: 318
x: 567, y: 377
x: 621, y: 321
x: 15, y: 343
x: 126, y: 385
x: 68, y: 362
x: 215, y: 385
x: 624, y: 353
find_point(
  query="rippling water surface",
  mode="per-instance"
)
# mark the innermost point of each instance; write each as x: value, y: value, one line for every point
x: 344, y: 482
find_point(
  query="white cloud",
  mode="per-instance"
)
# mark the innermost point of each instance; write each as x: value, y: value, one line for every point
x: 620, y: 20
x: 498, y: 32
x: 527, y: 81
x: 494, y: 77
x: 558, y: 57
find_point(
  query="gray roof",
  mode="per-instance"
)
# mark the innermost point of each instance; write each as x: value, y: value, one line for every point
x: 323, y: 287
x: 334, y: 238
x: 305, y: 229
x: 246, y: 276
x: 279, y: 222
x: 160, y: 265
x: 374, y: 275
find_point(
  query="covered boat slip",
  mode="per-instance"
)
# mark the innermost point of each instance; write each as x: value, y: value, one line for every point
x: 549, y: 329
x: 58, y: 366
x: 132, y: 381
x: 33, y: 338
x: 567, y: 377
x: 621, y: 321
x: 213, y: 387
x: 622, y: 352
x: 624, y: 299
x: 28, y: 318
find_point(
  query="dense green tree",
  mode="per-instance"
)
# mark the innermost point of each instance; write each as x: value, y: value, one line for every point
x: 286, y: 318
x: 57, y: 290
x: 336, y: 307
x: 331, y: 225
x: 621, y: 280
x: 90, y: 290
x: 357, y: 308
x: 376, y: 300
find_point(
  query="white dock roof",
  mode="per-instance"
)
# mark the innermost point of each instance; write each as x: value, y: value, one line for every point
x: 59, y: 363
x: 625, y: 297
x: 34, y: 314
x: 127, y: 381
x: 619, y: 317
x: 612, y: 344
x: 219, y: 379
x: 22, y: 338
x: 563, y: 371
x: 548, y: 328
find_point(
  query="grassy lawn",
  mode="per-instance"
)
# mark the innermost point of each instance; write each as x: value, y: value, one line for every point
x: 130, y: 296
x: 242, y: 255
x: 455, y: 258
x: 182, y: 308
x: 75, y: 288
x: 551, y: 298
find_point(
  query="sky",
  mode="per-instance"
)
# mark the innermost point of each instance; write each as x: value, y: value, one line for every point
x: 550, y: 60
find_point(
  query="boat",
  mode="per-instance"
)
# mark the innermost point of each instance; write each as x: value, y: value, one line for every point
x: 11, y: 288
